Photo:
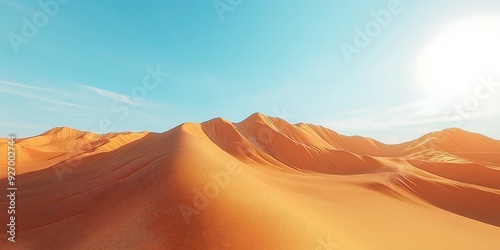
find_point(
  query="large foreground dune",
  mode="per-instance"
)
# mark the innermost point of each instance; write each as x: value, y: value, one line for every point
x: 259, y: 184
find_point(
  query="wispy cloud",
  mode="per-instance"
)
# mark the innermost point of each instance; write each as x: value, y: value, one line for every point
x: 414, y: 106
x: 369, y: 124
x: 20, y: 90
x: 111, y: 95
x: 22, y: 85
x: 423, y: 112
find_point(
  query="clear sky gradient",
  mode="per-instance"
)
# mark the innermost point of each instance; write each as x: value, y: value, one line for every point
x: 87, y: 60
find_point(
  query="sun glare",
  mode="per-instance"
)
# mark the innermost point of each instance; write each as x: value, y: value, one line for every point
x: 463, y: 51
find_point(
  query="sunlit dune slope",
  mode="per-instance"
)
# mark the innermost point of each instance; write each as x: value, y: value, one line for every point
x: 259, y: 184
x: 62, y: 144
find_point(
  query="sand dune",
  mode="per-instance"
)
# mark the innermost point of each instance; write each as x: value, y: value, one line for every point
x: 62, y: 144
x: 259, y: 184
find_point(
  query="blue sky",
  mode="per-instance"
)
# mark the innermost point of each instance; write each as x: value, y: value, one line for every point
x: 85, y: 64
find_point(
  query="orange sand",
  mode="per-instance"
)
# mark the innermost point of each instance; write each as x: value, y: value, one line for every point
x: 259, y: 184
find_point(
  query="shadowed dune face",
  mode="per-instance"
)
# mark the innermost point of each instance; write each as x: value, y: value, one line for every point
x: 259, y: 184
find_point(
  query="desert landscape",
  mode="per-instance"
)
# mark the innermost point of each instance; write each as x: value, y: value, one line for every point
x: 261, y: 183
x: 233, y: 124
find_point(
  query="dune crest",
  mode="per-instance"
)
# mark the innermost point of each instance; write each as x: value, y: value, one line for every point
x: 63, y: 143
x: 262, y: 183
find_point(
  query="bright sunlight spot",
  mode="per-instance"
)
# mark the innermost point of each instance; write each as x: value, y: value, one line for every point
x: 451, y: 64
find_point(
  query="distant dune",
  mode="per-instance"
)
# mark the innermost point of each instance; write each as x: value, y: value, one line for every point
x: 262, y: 183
